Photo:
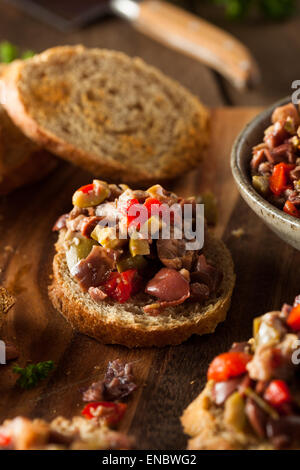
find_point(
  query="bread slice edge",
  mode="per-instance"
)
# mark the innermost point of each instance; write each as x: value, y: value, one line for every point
x: 126, y: 324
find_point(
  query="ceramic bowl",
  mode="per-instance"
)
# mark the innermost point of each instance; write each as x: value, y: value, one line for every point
x: 284, y: 225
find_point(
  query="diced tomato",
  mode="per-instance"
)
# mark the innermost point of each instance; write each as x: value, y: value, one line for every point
x: 132, y: 209
x: 291, y: 209
x: 152, y: 206
x: 87, y: 188
x: 280, y: 178
x: 110, y: 413
x: 131, y: 278
x: 121, y: 286
x: 5, y: 439
x: 277, y: 393
x: 293, y: 319
x: 111, y: 283
x: 227, y: 365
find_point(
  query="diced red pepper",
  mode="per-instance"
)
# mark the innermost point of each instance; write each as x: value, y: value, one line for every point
x: 131, y: 278
x: 152, y: 205
x: 293, y: 319
x: 121, y: 286
x: 133, y: 206
x: 87, y: 188
x: 5, y: 439
x: 111, y: 283
x: 227, y: 365
x: 110, y: 413
x: 280, y: 178
x: 277, y: 393
x: 291, y: 209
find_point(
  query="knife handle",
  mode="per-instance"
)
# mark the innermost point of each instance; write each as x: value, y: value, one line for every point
x: 193, y: 36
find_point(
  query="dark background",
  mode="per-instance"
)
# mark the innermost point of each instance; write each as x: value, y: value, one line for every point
x: 276, y: 46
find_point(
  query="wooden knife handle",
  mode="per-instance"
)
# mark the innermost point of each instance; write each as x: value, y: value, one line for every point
x: 199, y: 39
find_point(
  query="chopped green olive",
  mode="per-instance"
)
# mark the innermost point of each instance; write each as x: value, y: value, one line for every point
x: 260, y: 402
x: 79, y: 249
x: 256, y: 325
x: 8, y: 52
x: 261, y: 184
x: 264, y: 332
x: 106, y: 236
x: 289, y: 125
x: 297, y: 185
x: 129, y: 262
x: 210, y: 207
x: 234, y: 413
x: 155, y: 190
x: 138, y: 247
x: 151, y: 227
x: 295, y: 141
x: 91, y: 195
x: 27, y: 54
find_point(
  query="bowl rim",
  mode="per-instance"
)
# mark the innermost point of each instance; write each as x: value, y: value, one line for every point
x: 242, y: 179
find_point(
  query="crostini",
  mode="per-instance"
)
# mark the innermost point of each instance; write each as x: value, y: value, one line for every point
x: 121, y: 285
x: 251, y: 399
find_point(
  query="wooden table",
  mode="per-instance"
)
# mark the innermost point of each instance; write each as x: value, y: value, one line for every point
x: 267, y: 269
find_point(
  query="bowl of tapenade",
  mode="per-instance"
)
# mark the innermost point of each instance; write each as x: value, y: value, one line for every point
x: 265, y: 163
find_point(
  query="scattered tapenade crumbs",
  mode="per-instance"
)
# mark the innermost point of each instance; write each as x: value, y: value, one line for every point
x: 118, y: 383
x: 256, y: 383
x: 275, y: 164
x: 31, y: 375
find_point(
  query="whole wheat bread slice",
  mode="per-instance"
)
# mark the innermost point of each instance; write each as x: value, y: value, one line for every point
x: 21, y: 160
x: 114, y: 323
x: 114, y: 115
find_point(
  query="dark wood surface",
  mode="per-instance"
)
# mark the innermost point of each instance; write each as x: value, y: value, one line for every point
x: 267, y: 269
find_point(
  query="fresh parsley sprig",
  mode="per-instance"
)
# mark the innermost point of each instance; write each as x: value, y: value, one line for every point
x: 31, y: 375
x: 10, y: 52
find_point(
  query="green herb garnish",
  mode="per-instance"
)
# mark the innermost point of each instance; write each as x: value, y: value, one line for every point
x: 31, y: 375
x: 27, y: 54
x: 10, y: 52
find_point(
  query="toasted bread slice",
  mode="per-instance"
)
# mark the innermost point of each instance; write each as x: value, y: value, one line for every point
x: 21, y: 160
x: 111, y: 322
x: 61, y: 433
x: 113, y: 115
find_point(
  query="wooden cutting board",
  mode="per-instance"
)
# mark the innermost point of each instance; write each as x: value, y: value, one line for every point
x: 267, y: 275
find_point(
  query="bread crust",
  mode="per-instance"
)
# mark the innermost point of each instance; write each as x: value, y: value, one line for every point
x: 126, y: 324
x: 204, y: 422
x: 21, y: 160
x: 187, y: 155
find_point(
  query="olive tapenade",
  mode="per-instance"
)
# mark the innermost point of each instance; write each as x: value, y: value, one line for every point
x: 111, y: 258
x: 275, y: 163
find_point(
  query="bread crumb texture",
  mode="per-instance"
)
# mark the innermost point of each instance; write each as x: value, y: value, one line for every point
x: 114, y: 115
